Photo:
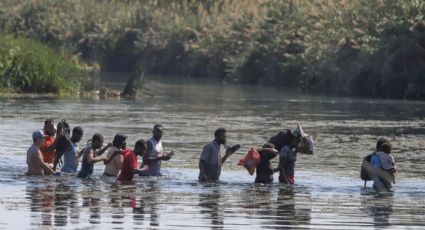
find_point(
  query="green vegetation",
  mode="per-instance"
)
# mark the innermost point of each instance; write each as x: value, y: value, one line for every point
x: 370, y: 48
x: 29, y: 67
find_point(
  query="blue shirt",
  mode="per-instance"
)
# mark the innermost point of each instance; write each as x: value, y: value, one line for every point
x: 70, y: 161
x: 375, y: 161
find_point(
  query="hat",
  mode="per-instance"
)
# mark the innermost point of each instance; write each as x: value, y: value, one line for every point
x: 38, y: 134
x: 298, y: 132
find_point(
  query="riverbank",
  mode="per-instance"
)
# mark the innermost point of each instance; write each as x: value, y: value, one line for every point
x: 353, y: 48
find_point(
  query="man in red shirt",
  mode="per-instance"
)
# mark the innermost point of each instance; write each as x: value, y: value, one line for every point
x: 129, y: 165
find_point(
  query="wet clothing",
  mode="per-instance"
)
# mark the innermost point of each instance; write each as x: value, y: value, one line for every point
x: 211, y: 155
x: 114, y: 166
x: 86, y: 167
x: 289, y: 156
x: 70, y: 160
x: 387, y: 160
x: 264, y: 168
x: 34, y: 167
x: 151, y: 159
x: 129, y: 163
x: 382, y: 178
x: 48, y: 157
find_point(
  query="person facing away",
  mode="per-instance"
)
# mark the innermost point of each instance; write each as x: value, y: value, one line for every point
x: 287, y: 159
x: 35, y: 161
x: 384, y: 166
x: 119, y: 143
x: 264, y: 169
x: 70, y: 157
x: 210, y: 160
x: 93, y: 154
x: 154, y: 154
x: 129, y: 165
x: 49, y: 146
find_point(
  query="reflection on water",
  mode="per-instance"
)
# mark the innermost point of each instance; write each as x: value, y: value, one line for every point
x: 328, y: 193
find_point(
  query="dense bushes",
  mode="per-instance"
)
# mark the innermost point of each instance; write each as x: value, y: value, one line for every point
x: 30, y: 67
x: 364, y: 47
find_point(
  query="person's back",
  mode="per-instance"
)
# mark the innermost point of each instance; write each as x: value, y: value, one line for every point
x: 70, y: 161
x: 287, y: 159
x: 211, y: 155
x: 86, y: 166
x: 264, y: 169
x: 34, y: 168
x: 129, y: 163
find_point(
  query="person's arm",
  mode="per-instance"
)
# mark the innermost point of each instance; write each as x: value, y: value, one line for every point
x: 51, y: 148
x: 45, y: 167
x: 227, y: 155
x: 203, y: 169
x: 103, y: 150
x: 166, y: 156
x: 80, y: 153
x: 108, y: 160
x: 92, y: 159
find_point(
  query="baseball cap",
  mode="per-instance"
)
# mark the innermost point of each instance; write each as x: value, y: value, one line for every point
x: 38, y: 134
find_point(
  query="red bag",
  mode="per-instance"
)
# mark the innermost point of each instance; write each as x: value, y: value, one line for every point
x: 250, y: 161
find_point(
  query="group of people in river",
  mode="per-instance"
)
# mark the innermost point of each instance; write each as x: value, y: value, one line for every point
x: 58, y: 145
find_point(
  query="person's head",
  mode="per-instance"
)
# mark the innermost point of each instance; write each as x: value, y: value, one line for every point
x: 120, y: 141
x: 38, y: 138
x: 77, y: 134
x: 386, y: 147
x: 49, y: 127
x: 268, y: 146
x: 140, y: 147
x: 97, y: 141
x: 379, y: 143
x: 157, y: 132
x: 220, y: 135
x: 63, y: 125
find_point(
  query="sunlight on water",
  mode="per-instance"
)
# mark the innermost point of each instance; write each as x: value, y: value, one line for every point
x: 328, y: 193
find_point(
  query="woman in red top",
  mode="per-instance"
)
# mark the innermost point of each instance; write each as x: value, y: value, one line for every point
x: 129, y: 165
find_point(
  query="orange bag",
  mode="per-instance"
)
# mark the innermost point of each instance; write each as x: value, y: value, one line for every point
x: 250, y: 161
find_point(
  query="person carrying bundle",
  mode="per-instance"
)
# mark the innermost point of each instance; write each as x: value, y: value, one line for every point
x: 289, y: 144
x: 259, y: 161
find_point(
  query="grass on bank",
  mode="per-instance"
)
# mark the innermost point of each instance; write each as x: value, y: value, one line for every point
x: 27, y: 66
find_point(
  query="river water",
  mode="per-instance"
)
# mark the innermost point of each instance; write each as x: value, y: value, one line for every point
x: 328, y: 193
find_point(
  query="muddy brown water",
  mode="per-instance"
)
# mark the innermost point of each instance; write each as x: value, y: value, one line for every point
x: 328, y: 193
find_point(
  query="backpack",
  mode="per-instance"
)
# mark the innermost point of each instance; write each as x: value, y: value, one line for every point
x: 366, y: 170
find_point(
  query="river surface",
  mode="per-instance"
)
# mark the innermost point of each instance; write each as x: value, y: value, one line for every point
x: 328, y: 193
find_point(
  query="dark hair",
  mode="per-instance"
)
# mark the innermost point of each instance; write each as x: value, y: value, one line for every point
x: 140, y: 143
x: 97, y: 137
x: 119, y: 140
x: 77, y: 129
x: 268, y: 145
x: 379, y: 143
x: 219, y: 131
x: 386, y: 147
x: 47, y: 121
x: 157, y: 126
